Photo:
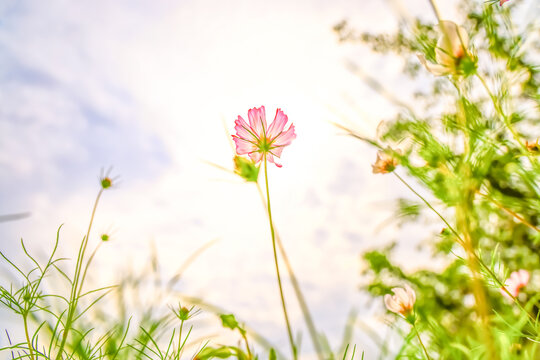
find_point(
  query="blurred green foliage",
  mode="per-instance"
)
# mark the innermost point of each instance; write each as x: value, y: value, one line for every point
x: 468, y: 144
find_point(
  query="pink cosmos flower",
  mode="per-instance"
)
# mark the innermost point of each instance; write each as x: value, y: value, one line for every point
x: 516, y: 281
x: 256, y: 139
x: 450, y: 50
x: 402, y: 302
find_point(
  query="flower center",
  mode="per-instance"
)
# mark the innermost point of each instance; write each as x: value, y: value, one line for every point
x: 264, y: 144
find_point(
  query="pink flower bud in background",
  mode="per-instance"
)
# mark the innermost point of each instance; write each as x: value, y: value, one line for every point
x: 402, y: 302
x: 450, y: 50
x: 517, y: 280
x: 384, y: 164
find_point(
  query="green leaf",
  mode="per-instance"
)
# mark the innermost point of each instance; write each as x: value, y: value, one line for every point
x: 229, y: 321
x: 222, y: 352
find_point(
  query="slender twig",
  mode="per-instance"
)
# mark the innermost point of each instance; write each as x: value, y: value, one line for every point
x: 289, y: 332
x: 514, y: 214
x: 429, y: 205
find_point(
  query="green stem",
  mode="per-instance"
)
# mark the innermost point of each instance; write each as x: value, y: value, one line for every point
x: 297, y: 290
x: 289, y: 332
x: 250, y: 356
x: 30, y: 349
x: 86, y: 268
x: 428, y: 205
x: 421, y: 343
x: 75, y: 286
x: 180, y: 338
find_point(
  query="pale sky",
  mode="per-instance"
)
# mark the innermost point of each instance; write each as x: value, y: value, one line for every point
x: 145, y: 87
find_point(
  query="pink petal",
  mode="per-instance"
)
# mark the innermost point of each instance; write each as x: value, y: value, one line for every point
x: 523, y: 277
x: 276, y: 127
x: 391, y: 304
x: 257, y: 120
x: 435, y: 69
x: 256, y: 156
x: 513, y: 289
x: 411, y: 294
x: 285, y: 138
x: 270, y: 158
x: 276, y: 151
x: 400, y: 295
x: 243, y: 146
x: 243, y: 130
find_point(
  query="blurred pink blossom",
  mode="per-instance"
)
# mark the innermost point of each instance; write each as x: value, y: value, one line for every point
x: 516, y: 281
x: 384, y: 164
x: 255, y: 139
x: 502, y: 2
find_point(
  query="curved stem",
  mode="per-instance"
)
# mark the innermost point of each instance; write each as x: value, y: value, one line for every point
x: 421, y: 343
x: 289, y: 332
x: 250, y: 356
x: 297, y: 290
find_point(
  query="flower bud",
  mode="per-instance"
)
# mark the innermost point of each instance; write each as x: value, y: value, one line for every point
x: 402, y: 302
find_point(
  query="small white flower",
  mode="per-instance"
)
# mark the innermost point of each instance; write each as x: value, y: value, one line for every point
x: 451, y: 49
x: 402, y: 302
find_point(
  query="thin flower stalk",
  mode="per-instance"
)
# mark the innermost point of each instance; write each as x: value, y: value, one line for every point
x: 421, y: 342
x: 289, y: 331
x: 29, y: 343
x: 296, y: 287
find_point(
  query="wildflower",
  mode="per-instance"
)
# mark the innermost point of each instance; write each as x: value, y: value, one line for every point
x: 402, y: 302
x: 533, y: 147
x: 502, y: 2
x: 184, y: 313
x: 517, y: 280
x: 384, y: 164
x: 256, y: 139
x: 106, y: 182
x: 451, y: 49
